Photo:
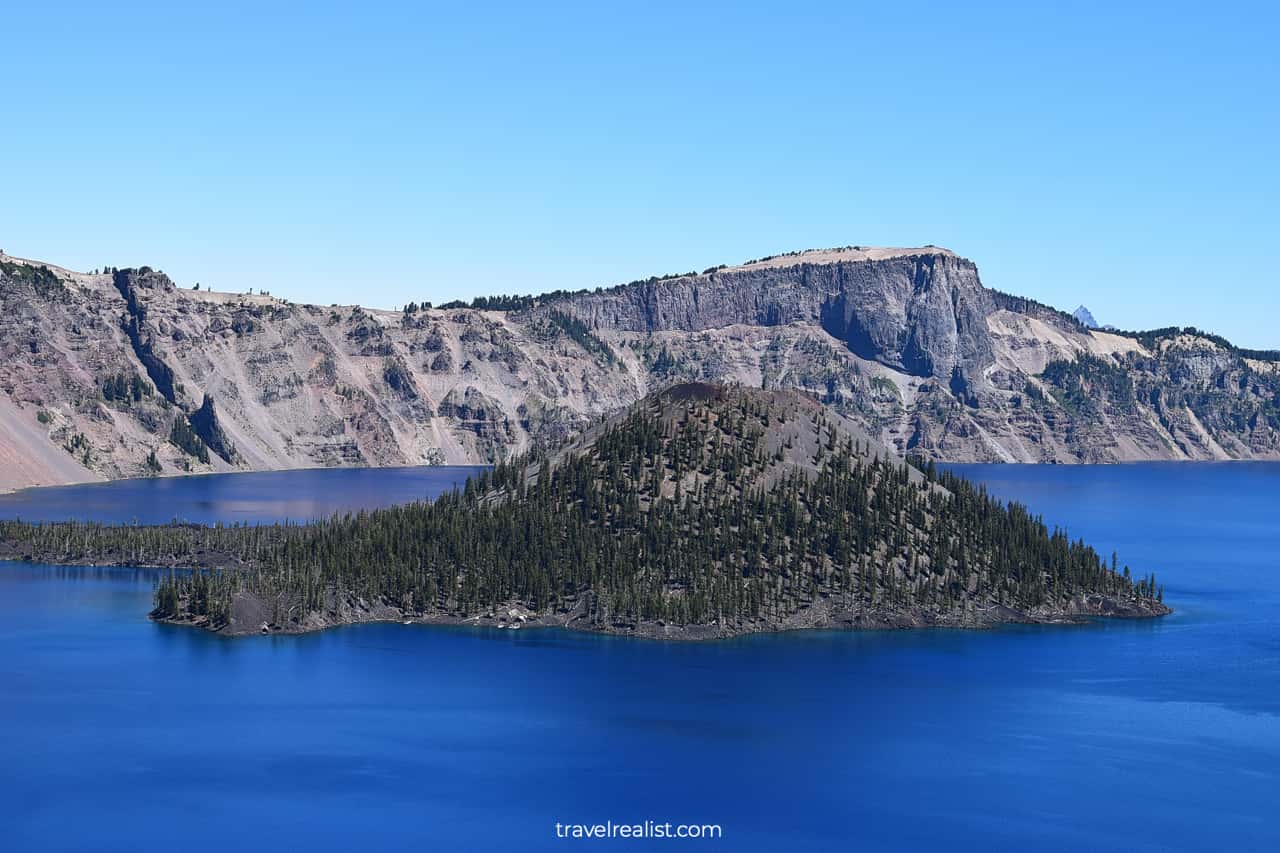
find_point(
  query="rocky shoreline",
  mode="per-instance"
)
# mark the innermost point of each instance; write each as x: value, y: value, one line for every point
x: 252, y: 616
x: 703, y: 512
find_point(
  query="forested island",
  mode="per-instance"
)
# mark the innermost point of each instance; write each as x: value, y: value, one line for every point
x: 702, y: 511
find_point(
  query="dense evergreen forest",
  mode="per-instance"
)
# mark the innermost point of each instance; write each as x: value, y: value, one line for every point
x: 701, y: 505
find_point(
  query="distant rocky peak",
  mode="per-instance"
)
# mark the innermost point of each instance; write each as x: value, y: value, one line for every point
x: 1085, y: 316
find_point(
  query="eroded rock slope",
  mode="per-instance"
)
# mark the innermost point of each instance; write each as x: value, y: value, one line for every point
x: 125, y: 374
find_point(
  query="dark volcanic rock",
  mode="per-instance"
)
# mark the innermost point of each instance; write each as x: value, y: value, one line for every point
x: 129, y: 282
x: 204, y: 422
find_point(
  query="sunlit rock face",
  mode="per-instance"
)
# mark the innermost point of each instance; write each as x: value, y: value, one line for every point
x: 103, y: 375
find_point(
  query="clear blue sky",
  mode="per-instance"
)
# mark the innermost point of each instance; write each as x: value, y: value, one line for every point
x: 1124, y: 158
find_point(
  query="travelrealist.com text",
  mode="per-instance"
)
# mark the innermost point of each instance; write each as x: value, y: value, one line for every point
x: 647, y: 829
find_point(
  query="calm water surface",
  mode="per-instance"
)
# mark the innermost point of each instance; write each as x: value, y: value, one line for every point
x: 117, y: 734
x: 258, y: 498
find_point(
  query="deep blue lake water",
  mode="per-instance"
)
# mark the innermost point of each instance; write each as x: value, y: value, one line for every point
x: 258, y: 498
x: 118, y: 734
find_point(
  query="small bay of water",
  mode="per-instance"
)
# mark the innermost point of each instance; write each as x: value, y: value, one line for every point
x: 119, y: 734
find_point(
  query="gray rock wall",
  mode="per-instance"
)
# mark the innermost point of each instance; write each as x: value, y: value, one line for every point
x: 922, y: 314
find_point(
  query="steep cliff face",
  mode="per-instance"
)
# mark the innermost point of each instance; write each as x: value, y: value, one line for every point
x: 919, y: 311
x: 134, y: 322
x: 125, y: 374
